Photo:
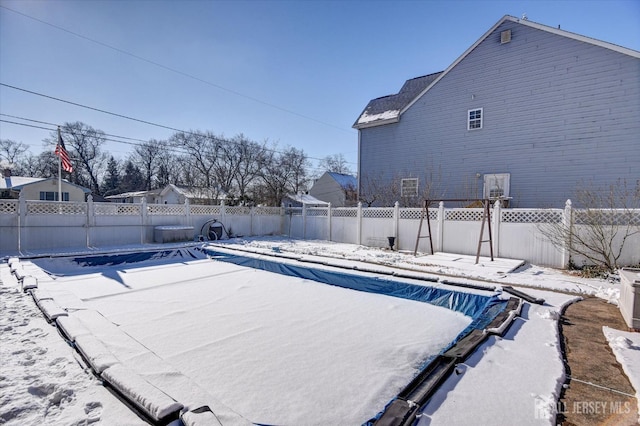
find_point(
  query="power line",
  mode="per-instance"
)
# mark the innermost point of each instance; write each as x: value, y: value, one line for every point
x: 54, y: 124
x: 171, y: 148
x: 91, y: 108
x: 176, y: 71
x: 130, y: 118
x: 175, y: 149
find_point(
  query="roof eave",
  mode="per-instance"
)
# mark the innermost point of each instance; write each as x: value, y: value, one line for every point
x: 376, y: 123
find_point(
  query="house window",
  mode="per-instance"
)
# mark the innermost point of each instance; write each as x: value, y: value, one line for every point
x: 53, y: 196
x: 496, y: 186
x: 475, y: 119
x: 409, y: 187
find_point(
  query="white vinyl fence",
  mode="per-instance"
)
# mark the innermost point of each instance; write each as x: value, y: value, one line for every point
x: 39, y: 226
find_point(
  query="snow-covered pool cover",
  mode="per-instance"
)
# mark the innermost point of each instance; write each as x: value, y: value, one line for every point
x: 273, y: 348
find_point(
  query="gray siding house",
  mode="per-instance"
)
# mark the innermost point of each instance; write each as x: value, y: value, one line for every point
x: 529, y: 112
x: 336, y: 188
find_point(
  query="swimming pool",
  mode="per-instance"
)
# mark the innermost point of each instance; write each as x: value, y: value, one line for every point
x: 258, y: 338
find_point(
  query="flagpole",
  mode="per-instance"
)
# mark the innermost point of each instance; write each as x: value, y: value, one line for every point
x: 59, y: 170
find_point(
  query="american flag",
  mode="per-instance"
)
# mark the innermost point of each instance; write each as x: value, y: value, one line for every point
x: 61, y: 152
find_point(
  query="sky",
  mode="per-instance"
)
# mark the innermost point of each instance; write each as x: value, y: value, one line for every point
x: 292, y: 73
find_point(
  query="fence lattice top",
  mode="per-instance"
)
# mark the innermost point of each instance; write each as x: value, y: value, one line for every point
x: 531, y: 216
x: 44, y: 207
x: 579, y: 216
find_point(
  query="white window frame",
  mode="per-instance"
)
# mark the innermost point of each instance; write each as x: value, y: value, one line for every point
x: 474, y: 122
x: 496, y: 180
x: 405, y: 187
x: 53, y: 196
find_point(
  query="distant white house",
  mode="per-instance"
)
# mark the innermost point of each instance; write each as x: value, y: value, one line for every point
x: 175, y: 194
x: 171, y: 194
x: 339, y: 189
x: 44, y: 189
x: 150, y: 197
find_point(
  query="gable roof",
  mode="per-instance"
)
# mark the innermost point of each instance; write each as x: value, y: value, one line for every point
x: 17, y: 183
x: 132, y: 194
x: 306, y: 199
x: 345, y: 181
x: 193, y: 192
x: 388, y: 109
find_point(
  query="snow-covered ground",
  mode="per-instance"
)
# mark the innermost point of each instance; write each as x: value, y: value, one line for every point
x: 321, y: 353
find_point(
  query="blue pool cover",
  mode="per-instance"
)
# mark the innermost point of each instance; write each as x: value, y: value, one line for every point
x: 483, y: 309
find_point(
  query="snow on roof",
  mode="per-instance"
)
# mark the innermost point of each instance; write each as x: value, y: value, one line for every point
x: 131, y: 194
x: 306, y: 199
x: 387, y: 108
x: 17, y: 182
x: 192, y: 192
x: 345, y: 181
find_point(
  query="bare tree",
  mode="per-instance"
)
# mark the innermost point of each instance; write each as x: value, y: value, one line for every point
x: 44, y: 165
x: 282, y: 173
x: 227, y: 164
x: 84, y: 144
x: 605, y: 218
x: 12, y: 151
x: 335, y: 163
x: 295, y: 160
x: 378, y: 190
x: 170, y: 167
x: 202, y: 152
x: 147, y: 157
x: 252, y: 156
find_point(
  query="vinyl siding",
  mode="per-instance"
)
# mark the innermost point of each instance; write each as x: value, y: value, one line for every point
x: 557, y: 113
x: 328, y: 190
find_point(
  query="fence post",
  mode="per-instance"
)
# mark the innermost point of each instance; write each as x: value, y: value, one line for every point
x: 359, y: 224
x: 252, y: 212
x: 440, y: 246
x: 396, y: 224
x: 283, y: 218
x: 143, y: 219
x: 329, y: 220
x: 90, y: 218
x: 22, y: 213
x: 304, y: 221
x: 567, y: 224
x: 187, y: 212
x: 495, y: 238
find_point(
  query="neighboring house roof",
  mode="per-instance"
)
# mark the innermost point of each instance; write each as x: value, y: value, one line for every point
x: 17, y: 183
x: 194, y: 192
x: 306, y: 199
x: 389, y: 109
x: 345, y: 181
x: 131, y: 194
